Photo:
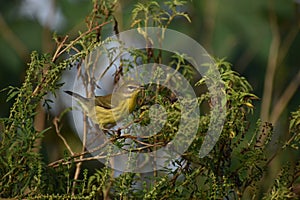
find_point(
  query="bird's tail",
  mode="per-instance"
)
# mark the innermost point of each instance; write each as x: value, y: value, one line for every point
x: 77, y: 96
x: 85, y: 102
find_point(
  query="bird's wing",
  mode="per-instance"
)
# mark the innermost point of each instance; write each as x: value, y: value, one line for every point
x: 103, y: 101
x: 86, y: 103
x: 106, y: 101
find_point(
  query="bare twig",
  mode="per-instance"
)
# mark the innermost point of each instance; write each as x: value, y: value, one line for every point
x: 63, y: 162
x: 71, y: 44
x: 78, y: 165
x: 276, y: 56
x: 59, y: 47
x: 287, y: 42
x: 101, y: 155
x: 271, y: 67
x: 76, y: 155
x: 285, y: 98
x: 57, y: 130
x: 294, y: 84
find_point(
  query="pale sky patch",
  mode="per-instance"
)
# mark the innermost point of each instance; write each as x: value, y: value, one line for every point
x: 45, y: 11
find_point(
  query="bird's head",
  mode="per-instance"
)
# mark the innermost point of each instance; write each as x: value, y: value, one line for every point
x: 130, y: 89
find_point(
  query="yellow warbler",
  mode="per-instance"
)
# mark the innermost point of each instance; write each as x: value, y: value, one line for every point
x: 107, y: 110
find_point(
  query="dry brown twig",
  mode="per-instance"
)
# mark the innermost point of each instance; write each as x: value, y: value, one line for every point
x: 57, y: 130
x: 278, y: 50
x: 271, y: 67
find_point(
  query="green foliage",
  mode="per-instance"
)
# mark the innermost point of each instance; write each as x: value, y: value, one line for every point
x: 294, y: 130
x: 234, y: 169
x: 20, y: 164
x: 153, y: 14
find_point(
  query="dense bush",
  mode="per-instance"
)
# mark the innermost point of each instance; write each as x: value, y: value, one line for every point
x: 236, y: 168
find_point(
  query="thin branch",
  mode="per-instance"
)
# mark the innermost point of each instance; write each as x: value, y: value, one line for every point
x: 57, y: 130
x: 76, y: 155
x: 271, y: 67
x: 280, y: 54
x: 78, y: 165
x: 285, y: 98
x: 100, y: 155
x: 287, y: 42
x: 71, y: 44
x: 63, y: 162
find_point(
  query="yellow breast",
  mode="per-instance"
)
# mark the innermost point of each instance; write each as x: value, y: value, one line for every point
x: 106, y: 116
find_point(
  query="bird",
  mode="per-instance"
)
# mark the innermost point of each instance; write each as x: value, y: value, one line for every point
x: 107, y: 110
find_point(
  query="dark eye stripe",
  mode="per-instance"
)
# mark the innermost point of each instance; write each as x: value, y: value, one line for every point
x: 131, y: 87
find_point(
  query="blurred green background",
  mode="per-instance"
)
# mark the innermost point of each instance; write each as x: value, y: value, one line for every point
x: 260, y: 38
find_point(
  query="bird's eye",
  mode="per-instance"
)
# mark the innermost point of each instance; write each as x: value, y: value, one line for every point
x: 131, y: 87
